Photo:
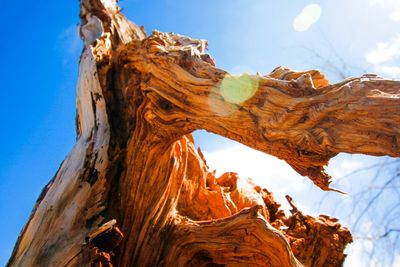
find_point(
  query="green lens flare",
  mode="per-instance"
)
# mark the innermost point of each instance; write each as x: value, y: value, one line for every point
x: 237, y: 89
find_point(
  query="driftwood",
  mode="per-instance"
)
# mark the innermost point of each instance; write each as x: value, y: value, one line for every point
x: 135, y: 192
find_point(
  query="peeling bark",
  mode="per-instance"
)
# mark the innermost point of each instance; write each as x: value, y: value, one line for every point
x: 135, y: 192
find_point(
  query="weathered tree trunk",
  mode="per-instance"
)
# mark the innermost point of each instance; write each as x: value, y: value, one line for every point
x: 135, y: 192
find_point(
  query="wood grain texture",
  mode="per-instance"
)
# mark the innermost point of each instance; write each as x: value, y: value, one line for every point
x: 135, y: 166
x: 297, y: 117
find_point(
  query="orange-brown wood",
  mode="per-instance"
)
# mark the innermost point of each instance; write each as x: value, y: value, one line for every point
x: 134, y: 191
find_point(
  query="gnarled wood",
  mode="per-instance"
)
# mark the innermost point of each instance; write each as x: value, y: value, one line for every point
x: 244, y: 239
x: 283, y: 114
x: 135, y: 163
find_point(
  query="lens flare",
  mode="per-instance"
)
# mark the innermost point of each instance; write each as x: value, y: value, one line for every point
x: 238, y: 89
x: 307, y: 17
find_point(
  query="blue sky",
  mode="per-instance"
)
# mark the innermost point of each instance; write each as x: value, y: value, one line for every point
x: 39, y: 73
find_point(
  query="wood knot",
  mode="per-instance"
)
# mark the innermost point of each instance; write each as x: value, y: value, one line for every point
x: 106, y: 237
